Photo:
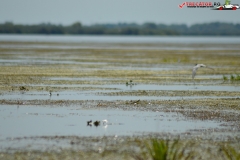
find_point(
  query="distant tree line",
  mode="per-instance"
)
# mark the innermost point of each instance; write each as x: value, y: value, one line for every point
x: 214, y: 28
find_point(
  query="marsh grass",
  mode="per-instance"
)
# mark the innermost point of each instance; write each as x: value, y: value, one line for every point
x: 169, y: 150
x: 230, y: 152
x: 128, y: 148
x: 232, y: 78
x: 235, y: 78
x: 158, y: 149
x: 225, y: 78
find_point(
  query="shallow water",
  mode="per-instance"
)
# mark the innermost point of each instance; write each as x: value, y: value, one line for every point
x: 156, y: 42
x: 218, y: 77
x: 168, y: 87
x: 98, y: 65
x: 186, y: 87
x: 92, y: 95
x: 21, y: 121
x: 42, y: 61
x: 95, y: 93
x: 120, y: 39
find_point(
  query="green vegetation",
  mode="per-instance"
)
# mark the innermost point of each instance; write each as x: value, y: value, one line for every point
x: 163, y: 150
x: 131, y: 148
x: 237, y: 78
x: 230, y: 152
x: 159, y: 149
x: 214, y: 28
x: 225, y: 78
x: 232, y: 78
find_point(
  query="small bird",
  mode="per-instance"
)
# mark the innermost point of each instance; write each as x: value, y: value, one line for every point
x: 195, y: 68
x: 96, y: 123
x: 104, y: 122
x: 89, y: 123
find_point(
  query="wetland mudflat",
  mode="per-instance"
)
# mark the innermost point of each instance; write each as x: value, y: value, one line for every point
x: 50, y: 88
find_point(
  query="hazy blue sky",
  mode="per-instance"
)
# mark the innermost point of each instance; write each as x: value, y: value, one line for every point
x: 110, y: 11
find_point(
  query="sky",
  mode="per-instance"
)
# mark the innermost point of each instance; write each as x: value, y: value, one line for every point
x: 89, y: 12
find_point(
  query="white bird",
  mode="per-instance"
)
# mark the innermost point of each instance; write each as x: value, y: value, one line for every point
x: 105, y: 122
x: 195, y: 68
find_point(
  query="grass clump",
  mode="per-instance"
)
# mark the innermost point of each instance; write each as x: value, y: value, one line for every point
x: 225, y: 78
x: 169, y: 150
x: 232, y: 78
x: 230, y: 152
x: 235, y: 78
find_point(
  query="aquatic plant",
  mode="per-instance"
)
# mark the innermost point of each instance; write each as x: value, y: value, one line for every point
x: 225, y: 78
x: 232, y: 77
x: 235, y: 78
